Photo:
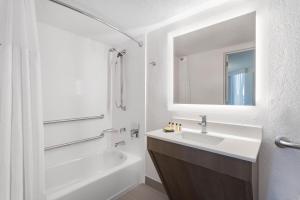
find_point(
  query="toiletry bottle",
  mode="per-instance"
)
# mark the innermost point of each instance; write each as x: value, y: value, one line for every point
x: 168, y: 128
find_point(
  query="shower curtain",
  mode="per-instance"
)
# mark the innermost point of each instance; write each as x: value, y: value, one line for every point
x: 21, y: 126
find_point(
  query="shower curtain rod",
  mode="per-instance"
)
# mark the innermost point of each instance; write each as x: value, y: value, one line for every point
x: 140, y: 43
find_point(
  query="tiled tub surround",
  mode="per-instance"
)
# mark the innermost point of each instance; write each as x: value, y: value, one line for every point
x: 87, y: 170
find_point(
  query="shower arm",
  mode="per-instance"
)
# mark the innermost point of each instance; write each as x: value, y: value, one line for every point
x: 140, y: 43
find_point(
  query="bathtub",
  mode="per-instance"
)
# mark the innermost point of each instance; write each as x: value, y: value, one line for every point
x: 99, y: 176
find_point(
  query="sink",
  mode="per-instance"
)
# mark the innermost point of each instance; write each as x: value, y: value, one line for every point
x: 202, y: 138
x: 221, y: 149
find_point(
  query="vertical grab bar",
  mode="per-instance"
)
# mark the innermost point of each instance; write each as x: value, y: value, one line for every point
x: 119, y: 60
x: 122, y: 106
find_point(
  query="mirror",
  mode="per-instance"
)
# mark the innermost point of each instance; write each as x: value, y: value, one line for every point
x: 216, y: 64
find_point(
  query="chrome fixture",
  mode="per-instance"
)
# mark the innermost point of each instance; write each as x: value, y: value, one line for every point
x: 134, y: 133
x: 120, y: 143
x: 140, y: 43
x: 120, y: 53
x: 81, y: 140
x: 283, y: 142
x: 122, y: 130
x: 153, y: 63
x: 74, y: 142
x: 110, y: 130
x: 121, y: 77
x: 203, y: 123
x: 73, y: 119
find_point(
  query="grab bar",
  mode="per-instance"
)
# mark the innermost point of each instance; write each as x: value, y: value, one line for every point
x: 79, y: 141
x: 73, y: 119
x: 283, y: 142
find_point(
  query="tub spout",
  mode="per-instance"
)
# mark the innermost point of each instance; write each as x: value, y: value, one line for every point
x: 120, y: 143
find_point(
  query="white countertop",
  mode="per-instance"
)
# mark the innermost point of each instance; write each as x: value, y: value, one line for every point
x: 244, y: 147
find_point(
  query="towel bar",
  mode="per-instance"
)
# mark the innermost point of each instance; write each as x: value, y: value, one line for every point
x: 283, y: 142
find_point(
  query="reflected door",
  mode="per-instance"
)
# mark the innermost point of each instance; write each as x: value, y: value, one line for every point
x: 240, y: 78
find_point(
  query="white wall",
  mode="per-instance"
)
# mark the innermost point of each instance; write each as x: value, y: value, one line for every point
x: 278, y: 89
x: 74, y: 78
x: 134, y: 64
x: 206, y: 72
x: 182, y: 81
x: 206, y: 75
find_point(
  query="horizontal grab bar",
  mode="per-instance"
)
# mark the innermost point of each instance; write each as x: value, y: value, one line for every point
x: 74, y: 142
x: 73, y: 119
x: 80, y: 141
x: 283, y: 142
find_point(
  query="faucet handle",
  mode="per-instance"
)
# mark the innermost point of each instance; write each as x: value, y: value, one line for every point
x: 203, y: 120
x: 134, y: 133
x: 203, y: 123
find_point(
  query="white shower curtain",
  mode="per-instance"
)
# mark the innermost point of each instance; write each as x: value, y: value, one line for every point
x: 21, y: 128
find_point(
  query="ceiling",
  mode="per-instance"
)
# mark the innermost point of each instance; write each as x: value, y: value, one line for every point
x: 232, y: 32
x: 129, y: 15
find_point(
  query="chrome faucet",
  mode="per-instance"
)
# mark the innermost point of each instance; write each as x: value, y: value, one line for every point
x: 134, y: 133
x: 203, y: 123
x: 120, y: 143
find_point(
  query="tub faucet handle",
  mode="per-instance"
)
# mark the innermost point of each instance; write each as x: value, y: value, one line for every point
x: 135, y: 131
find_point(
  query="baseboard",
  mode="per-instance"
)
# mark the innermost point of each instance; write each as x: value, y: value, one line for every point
x: 123, y: 192
x: 154, y: 184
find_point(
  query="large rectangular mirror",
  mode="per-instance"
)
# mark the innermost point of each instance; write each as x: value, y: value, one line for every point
x: 216, y: 64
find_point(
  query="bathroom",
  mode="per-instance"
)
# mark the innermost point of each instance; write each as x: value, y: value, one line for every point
x: 148, y: 100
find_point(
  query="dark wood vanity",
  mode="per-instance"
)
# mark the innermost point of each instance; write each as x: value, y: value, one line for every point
x: 192, y: 174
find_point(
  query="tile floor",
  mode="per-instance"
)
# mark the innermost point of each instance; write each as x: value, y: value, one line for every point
x: 144, y: 192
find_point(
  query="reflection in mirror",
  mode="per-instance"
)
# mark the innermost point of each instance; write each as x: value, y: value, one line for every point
x: 216, y: 64
x: 240, y: 81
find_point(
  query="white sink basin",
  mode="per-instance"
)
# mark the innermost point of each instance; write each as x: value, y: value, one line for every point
x: 202, y: 138
x: 233, y: 140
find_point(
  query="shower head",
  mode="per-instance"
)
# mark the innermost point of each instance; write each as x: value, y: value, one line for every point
x: 120, y: 53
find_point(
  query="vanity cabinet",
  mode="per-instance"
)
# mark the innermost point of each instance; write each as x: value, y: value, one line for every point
x: 189, y: 173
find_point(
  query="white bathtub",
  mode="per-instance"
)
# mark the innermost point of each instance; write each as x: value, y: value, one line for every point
x: 99, y: 176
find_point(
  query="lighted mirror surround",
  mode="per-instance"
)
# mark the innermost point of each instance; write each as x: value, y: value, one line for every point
x: 216, y: 65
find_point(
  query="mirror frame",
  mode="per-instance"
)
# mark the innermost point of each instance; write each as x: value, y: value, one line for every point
x: 170, y: 65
